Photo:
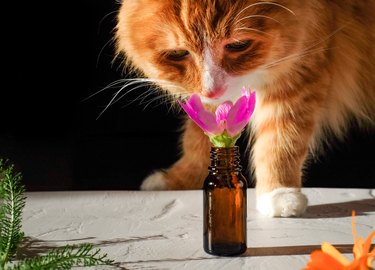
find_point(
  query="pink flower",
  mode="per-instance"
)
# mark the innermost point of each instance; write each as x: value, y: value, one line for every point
x: 239, y: 115
x: 228, y: 121
x: 203, y: 118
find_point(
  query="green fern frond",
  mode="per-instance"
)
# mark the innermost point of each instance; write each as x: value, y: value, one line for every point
x: 12, y: 202
x: 11, y: 207
x: 65, y: 258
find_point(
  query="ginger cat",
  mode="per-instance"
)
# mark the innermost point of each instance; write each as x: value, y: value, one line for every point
x: 311, y: 63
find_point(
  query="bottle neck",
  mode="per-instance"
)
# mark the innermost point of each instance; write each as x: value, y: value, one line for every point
x: 225, y: 158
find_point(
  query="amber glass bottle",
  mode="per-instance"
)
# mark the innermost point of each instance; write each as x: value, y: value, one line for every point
x: 224, y: 204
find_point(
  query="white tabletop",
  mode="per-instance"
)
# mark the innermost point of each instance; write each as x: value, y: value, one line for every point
x: 163, y: 229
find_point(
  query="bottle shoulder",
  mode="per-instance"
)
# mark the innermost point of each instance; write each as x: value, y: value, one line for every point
x: 220, y: 180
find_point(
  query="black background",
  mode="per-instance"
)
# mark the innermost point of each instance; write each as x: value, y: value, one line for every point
x: 61, y: 53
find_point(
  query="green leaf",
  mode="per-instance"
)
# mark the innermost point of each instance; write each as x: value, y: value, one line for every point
x: 223, y: 140
x: 11, y: 207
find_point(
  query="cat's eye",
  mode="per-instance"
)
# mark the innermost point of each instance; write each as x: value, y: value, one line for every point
x: 177, y: 55
x: 238, y: 46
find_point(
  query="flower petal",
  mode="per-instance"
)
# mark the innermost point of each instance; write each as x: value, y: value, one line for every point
x: 195, y: 103
x: 323, y: 261
x: 240, y: 114
x: 203, y: 118
x: 370, y: 255
x: 361, y: 248
x: 354, y: 230
x: 358, y: 264
x: 333, y: 252
x: 237, y: 119
x: 251, y: 100
x: 367, y: 244
x: 222, y: 111
x: 244, y: 91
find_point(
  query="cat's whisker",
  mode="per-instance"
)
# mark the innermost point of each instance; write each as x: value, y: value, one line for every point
x: 172, y: 96
x: 148, y: 92
x: 252, y: 29
x: 131, y: 81
x: 257, y: 16
x: 105, y: 17
x: 149, y: 102
x: 111, y: 85
x: 112, y: 100
x: 162, y: 83
x: 309, y: 50
x: 263, y: 3
x: 328, y: 37
x: 115, y: 99
x: 145, y: 95
x: 143, y: 85
x: 166, y: 99
x: 296, y: 55
x: 111, y: 41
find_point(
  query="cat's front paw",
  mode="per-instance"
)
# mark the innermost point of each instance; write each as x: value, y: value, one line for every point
x: 282, y: 202
x: 155, y: 181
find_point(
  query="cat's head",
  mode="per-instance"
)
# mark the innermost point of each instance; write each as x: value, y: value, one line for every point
x: 209, y: 47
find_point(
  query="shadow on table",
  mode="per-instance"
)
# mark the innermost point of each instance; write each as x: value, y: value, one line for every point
x: 291, y: 250
x: 32, y: 246
x: 344, y: 209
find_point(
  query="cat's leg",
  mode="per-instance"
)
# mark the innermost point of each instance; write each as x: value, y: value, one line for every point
x: 190, y: 170
x: 282, y: 136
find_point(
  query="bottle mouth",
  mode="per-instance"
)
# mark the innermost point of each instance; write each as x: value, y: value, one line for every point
x: 225, y: 158
x: 224, y: 151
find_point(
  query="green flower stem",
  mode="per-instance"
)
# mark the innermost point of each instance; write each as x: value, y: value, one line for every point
x: 224, y: 140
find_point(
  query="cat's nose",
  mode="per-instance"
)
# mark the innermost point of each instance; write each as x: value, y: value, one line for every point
x: 213, y: 93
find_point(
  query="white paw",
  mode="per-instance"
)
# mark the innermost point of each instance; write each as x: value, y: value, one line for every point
x: 282, y: 202
x: 155, y: 181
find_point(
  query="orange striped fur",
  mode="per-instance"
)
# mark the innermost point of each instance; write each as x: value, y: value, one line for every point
x: 312, y: 64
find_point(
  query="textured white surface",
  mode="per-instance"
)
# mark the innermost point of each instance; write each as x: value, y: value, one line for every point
x: 163, y: 229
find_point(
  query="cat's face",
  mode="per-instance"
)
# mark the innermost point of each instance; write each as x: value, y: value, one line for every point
x: 208, y: 47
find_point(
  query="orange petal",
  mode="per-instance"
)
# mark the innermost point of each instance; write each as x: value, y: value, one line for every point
x: 363, y: 263
x: 367, y: 244
x: 333, y: 252
x: 369, y: 262
x: 358, y: 248
x: 323, y: 261
x: 362, y: 248
x: 354, y: 230
x: 371, y: 258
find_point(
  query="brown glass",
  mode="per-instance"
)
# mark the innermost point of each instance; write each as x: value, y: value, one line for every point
x: 224, y: 204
